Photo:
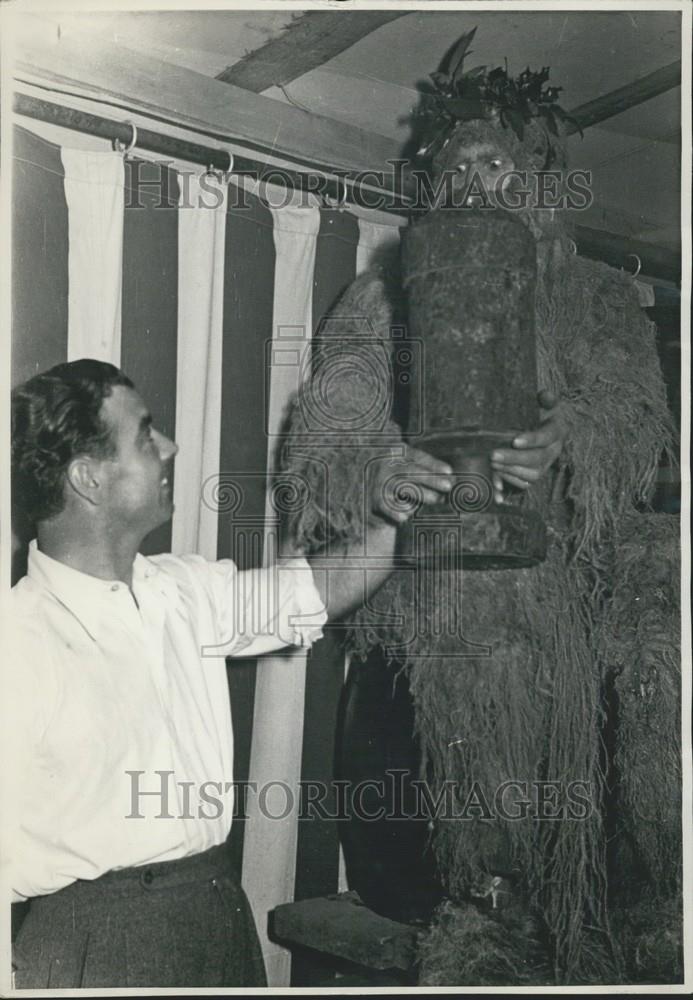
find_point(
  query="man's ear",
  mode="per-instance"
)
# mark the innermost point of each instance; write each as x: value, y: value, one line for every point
x: 84, y: 477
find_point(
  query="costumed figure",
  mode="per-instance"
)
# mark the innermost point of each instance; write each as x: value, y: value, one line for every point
x: 540, y: 651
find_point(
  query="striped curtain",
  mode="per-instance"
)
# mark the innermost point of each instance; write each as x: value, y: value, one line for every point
x: 207, y: 297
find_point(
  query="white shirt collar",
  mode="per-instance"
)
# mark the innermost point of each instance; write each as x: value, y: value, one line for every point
x: 86, y: 596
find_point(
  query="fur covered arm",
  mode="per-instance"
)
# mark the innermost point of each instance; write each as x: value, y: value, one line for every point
x: 597, y: 351
x: 340, y: 421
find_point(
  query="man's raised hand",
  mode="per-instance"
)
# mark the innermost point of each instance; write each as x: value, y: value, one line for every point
x: 401, y: 483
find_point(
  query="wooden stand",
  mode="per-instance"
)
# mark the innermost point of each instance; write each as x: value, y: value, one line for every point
x: 367, y: 949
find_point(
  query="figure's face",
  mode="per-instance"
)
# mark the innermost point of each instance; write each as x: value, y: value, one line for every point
x: 488, y: 162
x: 138, y: 479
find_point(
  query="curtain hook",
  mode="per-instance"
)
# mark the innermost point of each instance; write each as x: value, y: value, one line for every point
x: 212, y: 171
x: 639, y: 263
x: 121, y: 147
x: 340, y: 203
x: 217, y: 172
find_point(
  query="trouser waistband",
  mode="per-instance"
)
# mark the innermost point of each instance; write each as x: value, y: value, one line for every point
x: 160, y: 875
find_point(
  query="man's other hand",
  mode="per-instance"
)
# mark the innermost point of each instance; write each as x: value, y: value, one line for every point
x: 400, y: 484
x: 533, y: 452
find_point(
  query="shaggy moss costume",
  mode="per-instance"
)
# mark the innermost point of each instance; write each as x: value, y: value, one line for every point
x: 560, y: 636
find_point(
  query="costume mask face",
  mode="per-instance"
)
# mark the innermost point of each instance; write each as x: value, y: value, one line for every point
x: 482, y: 155
x: 477, y: 163
x: 481, y: 168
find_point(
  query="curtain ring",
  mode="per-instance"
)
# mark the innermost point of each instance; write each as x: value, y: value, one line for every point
x: 339, y: 204
x: 572, y: 246
x: 217, y: 172
x: 639, y: 263
x: 121, y: 147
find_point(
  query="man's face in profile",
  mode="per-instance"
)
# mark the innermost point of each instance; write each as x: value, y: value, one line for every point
x: 138, y: 478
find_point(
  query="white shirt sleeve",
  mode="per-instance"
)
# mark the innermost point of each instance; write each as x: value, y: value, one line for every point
x: 260, y: 610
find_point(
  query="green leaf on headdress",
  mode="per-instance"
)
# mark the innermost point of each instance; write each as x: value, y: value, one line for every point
x: 470, y: 90
x: 497, y: 75
x: 458, y: 54
x: 463, y: 108
x: 441, y: 80
x: 549, y: 119
x: 516, y: 123
x: 474, y: 73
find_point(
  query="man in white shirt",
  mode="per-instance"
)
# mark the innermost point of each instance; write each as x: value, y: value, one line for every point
x: 119, y: 719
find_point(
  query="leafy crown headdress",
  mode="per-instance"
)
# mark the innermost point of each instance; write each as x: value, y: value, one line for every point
x: 461, y: 96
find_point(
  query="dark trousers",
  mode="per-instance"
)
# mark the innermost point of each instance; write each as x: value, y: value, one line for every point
x: 176, y: 924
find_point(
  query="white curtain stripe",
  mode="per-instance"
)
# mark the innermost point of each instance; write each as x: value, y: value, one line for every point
x: 373, y: 237
x: 94, y: 192
x: 295, y: 240
x: 201, y: 249
x: 269, y: 855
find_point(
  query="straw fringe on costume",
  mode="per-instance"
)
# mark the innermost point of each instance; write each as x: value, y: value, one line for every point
x: 640, y: 647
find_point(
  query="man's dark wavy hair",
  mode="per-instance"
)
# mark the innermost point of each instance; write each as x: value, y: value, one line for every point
x: 55, y: 416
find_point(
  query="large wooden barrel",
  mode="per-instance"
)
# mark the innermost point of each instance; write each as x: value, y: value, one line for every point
x: 470, y: 277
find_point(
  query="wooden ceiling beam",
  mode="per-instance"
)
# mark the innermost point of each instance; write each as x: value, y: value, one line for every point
x: 617, y: 101
x: 87, y: 67
x: 620, y: 251
x: 307, y: 42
